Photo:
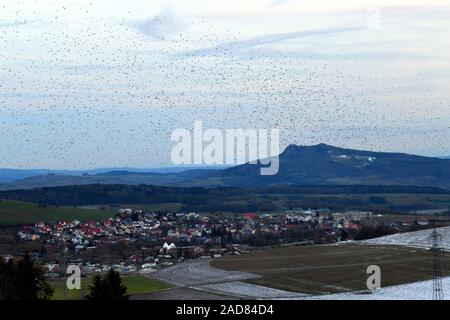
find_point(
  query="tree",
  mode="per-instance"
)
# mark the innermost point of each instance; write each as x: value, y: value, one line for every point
x: 344, y: 235
x: 107, y: 288
x: 23, y: 280
x: 377, y: 200
x: 365, y: 232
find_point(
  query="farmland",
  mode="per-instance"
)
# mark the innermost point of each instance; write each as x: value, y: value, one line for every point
x: 394, y: 199
x: 18, y: 212
x: 333, y: 268
x: 134, y: 284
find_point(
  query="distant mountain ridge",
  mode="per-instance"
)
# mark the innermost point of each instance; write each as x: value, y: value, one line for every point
x: 299, y: 165
x: 325, y: 164
x: 8, y: 175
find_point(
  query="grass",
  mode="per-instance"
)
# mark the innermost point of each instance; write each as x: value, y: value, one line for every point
x: 334, y: 268
x: 135, y: 285
x: 58, y: 294
x: 435, y: 200
x: 17, y: 212
x: 401, y: 202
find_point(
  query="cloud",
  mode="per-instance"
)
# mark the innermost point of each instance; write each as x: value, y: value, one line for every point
x: 159, y: 27
x: 238, y: 46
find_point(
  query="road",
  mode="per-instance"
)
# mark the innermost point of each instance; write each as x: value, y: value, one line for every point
x: 197, y: 279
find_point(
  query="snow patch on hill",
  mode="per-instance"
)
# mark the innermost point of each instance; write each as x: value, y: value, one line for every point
x: 416, y: 239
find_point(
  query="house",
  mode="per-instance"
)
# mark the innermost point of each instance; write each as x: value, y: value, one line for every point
x: 250, y: 216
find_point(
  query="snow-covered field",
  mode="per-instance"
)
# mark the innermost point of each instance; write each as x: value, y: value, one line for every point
x: 199, y: 272
x: 418, y: 239
x: 200, y: 276
x: 412, y: 291
x: 251, y: 291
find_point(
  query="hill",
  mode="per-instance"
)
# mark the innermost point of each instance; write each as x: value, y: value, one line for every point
x: 233, y: 199
x: 9, y: 176
x: 298, y: 165
x: 171, y: 178
x: 324, y: 164
x: 417, y: 239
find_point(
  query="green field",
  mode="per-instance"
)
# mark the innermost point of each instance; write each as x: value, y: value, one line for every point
x: 17, y: 212
x: 399, y: 202
x: 333, y: 268
x: 135, y: 285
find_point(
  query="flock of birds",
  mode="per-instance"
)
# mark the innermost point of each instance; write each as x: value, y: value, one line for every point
x: 90, y: 92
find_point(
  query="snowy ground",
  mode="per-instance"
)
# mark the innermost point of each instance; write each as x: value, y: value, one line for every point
x: 418, y: 239
x: 412, y: 291
x: 199, y: 272
x: 199, y: 276
x: 251, y: 291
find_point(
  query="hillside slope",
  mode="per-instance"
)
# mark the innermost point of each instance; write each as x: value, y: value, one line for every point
x: 299, y: 165
x: 324, y: 164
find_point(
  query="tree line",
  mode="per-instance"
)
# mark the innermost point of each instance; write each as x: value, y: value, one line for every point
x: 228, y: 199
x: 23, y: 279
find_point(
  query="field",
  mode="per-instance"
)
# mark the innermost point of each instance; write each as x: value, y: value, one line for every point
x: 333, y: 268
x: 417, y: 239
x: 392, y: 199
x: 396, y: 202
x: 156, y: 206
x: 17, y: 212
x: 135, y: 285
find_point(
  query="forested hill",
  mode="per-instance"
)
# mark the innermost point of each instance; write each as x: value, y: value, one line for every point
x: 298, y: 165
x: 216, y: 199
x: 328, y: 165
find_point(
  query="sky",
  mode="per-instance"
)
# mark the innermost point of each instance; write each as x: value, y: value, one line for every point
x: 89, y: 84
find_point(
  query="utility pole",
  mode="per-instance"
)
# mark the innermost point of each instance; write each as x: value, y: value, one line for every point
x: 436, y: 249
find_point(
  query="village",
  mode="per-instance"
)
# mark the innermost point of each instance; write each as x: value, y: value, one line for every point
x: 144, y: 241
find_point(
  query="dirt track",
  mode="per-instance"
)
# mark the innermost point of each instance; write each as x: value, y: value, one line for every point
x: 179, y: 293
x: 198, y: 280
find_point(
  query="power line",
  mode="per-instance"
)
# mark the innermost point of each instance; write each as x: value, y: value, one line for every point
x: 436, y: 250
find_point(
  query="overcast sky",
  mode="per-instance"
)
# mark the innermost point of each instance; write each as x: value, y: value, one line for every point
x: 87, y: 84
